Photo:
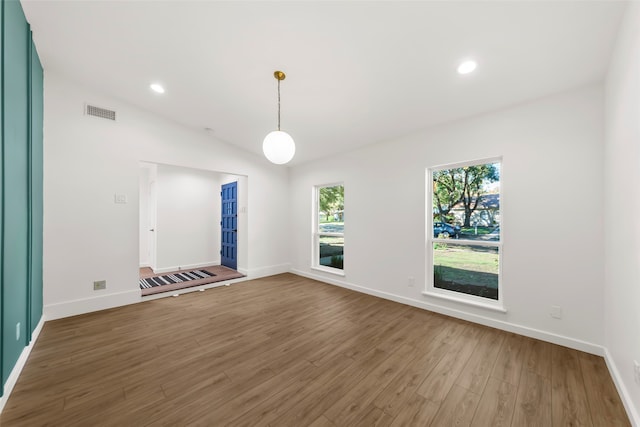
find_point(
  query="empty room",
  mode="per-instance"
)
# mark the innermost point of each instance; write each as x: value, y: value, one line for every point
x: 319, y: 213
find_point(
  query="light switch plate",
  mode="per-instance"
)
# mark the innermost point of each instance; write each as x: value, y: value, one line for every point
x: 120, y: 198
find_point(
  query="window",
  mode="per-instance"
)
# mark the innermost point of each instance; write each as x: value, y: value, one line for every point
x: 328, y: 236
x: 464, y: 243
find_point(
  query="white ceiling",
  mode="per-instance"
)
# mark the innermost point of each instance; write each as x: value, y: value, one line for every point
x: 358, y: 72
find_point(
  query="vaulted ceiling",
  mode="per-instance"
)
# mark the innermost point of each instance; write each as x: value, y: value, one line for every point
x: 358, y: 72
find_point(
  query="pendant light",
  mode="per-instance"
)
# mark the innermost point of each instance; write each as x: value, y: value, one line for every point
x: 278, y: 146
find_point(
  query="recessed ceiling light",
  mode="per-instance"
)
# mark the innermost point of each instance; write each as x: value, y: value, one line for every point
x: 157, y: 88
x: 467, y: 67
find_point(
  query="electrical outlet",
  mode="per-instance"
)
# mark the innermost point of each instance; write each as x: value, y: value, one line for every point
x: 411, y: 281
x: 99, y: 285
x: 17, y: 331
x: 636, y: 371
x: 556, y: 312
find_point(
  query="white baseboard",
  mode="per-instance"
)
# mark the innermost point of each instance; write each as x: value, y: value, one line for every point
x: 103, y: 302
x: 161, y: 270
x: 505, y: 326
x: 271, y: 270
x: 629, y: 405
x: 17, y: 369
x: 87, y: 305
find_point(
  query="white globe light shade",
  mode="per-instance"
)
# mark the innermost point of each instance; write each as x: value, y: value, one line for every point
x: 278, y: 147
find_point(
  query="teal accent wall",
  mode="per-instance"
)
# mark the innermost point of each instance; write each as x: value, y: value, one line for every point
x: 21, y: 133
x: 36, y: 190
x: 16, y: 179
x: 2, y: 367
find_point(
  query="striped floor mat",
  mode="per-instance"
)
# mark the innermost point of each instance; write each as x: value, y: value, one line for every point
x: 168, y: 279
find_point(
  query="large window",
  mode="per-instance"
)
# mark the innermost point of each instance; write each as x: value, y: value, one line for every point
x: 464, y: 243
x: 328, y: 236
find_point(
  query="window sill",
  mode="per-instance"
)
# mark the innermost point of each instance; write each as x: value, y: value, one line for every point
x: 335, y: 271
x: 495, y: 307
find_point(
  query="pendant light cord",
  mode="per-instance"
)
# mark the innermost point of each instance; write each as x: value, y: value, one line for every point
x: 278, y: 104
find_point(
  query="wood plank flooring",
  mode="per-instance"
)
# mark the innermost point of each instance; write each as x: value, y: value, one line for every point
x: 289, y: 351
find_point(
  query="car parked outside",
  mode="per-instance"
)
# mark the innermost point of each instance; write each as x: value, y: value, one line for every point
x: 445, y: 230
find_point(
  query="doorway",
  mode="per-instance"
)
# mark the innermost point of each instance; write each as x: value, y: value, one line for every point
x: 182, y: 215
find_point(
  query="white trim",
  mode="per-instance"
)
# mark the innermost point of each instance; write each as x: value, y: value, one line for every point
x: 88, y: 305
x: 459, y: 314
x: 185, y: 267
x: 454, y: 297
x: 332, y: 234
x: 491, y: 243
x: 429, y: 286
x: 329, y: 270
x: 19, y: 366
x: 632, y: 412
x: 473, y: 162
x: 269, y: 270
x: 333, y: 184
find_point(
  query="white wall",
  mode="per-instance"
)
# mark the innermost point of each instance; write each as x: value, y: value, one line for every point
x: 622, y: 202
x: 551, y: 209
x: 188, y: 218
x: 88, y: 237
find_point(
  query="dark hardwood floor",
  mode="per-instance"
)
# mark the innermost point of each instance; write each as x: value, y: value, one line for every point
x: 288, y: 351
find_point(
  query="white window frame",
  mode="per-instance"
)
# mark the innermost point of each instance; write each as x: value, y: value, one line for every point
x: 315, y: 250
x: 445, y: 294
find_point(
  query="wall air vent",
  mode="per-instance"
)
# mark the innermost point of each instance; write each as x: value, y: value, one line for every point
x: 103, y: 113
